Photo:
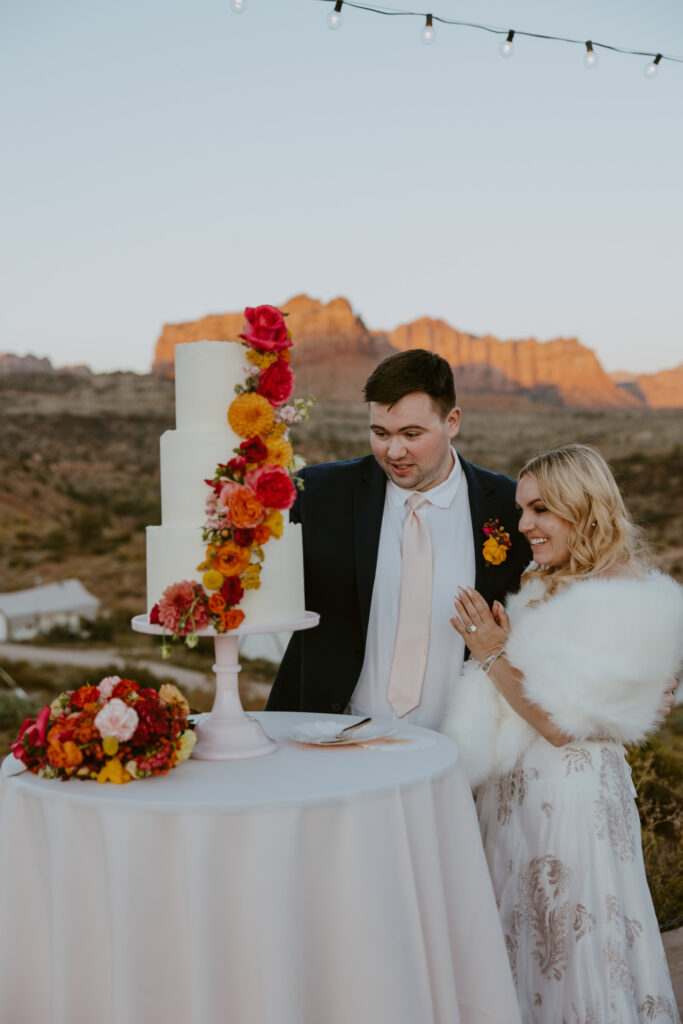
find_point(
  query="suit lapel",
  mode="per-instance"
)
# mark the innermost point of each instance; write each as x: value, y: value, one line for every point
x: 484, y: 505
x: 368, y: 507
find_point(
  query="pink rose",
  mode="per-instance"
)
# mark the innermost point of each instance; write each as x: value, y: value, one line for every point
x: 287, y: 414
x: 276, y: 383
x: 272, y: 486
x: 227, y: 491
x: 265, y: 329
x: 106, y: 686
x: 116, y: 719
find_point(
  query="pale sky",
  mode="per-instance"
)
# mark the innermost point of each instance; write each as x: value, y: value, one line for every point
x: 165, y: 160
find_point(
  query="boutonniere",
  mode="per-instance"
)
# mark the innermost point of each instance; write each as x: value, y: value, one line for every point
x: 497, y: 543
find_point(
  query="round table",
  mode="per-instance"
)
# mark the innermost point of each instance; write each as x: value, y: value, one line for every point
x: 341, y: 885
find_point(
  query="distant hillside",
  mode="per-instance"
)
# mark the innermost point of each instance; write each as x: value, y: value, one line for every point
x: 335, y: 352
x: 663, y: 390
x: 32, y: 364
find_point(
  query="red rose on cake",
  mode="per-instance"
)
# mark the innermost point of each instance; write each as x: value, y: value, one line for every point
x: 276, y: 383
x: 232, y: 590
x: 272, y: 486
x: 265, y: 329
x: 253, y: 449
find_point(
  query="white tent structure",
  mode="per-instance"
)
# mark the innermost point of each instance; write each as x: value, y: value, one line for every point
x: 25, y: 613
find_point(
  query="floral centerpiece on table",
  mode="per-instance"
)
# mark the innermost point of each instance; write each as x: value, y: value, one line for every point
x: 113, y: 732
x: 249, y: 492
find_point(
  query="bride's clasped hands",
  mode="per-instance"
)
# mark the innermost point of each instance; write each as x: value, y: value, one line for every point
x: 483, y: 629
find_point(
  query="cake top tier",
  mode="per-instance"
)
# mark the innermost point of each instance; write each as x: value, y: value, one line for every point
x: 206, y: 373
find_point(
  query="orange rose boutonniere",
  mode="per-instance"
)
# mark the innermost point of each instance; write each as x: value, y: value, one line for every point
x: 497, y: 543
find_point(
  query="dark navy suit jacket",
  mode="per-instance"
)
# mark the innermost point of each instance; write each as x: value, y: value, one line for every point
x: 340, y: 509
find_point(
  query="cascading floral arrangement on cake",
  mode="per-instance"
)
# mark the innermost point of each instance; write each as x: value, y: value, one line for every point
x: 249, y: 494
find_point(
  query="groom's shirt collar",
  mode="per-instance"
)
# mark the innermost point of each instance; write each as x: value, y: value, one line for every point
x: 441, y: 496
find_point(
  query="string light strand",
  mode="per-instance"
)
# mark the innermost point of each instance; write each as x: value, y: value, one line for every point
x: 590, y: 57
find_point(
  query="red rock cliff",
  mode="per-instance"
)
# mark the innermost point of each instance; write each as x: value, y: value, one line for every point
x: 334, y: 353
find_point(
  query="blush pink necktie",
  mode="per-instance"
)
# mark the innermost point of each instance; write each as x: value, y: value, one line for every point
x: 414, y: 613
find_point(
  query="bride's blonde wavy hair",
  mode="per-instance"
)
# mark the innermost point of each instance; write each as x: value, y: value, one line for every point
x: 576, y: 484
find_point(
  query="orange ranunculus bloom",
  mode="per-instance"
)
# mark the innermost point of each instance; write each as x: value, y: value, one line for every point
x: 494, y: 552
x: 216, y: 604
x: 244, y: 509
x: 261, y: 534
x: 251, y: 415
x: 64, y: 755
x: 284, y: 355
x: 232, y: 618
x: 230, y: 559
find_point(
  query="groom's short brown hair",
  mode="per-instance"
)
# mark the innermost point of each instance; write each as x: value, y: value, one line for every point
x: 407, y: 372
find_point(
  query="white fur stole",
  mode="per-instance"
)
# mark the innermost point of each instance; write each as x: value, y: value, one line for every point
x: 596, y: 657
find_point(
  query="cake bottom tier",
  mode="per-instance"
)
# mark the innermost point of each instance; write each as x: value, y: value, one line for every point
x: 174, y: 552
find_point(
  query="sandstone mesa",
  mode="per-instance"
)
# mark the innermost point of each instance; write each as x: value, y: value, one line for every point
x: 335, y: 352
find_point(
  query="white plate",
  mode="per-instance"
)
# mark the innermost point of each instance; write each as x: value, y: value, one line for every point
x: 320, y: 732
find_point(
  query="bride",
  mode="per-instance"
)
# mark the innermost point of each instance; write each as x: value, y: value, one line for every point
x: 577, y: 664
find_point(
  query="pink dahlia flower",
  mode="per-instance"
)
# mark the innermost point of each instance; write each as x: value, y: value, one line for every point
x: 182, y: 608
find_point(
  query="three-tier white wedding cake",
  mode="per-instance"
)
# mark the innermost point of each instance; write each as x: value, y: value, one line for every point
x: 206, y: 373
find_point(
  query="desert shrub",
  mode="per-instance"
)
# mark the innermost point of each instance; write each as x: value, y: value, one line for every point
x: 100, y: 630
x: 56, y: 540
x: 13, y: 711
x: 658, y: 777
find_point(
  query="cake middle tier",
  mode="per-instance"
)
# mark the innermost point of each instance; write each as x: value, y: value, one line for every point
x: 174, y: 552
x: 187, y: 459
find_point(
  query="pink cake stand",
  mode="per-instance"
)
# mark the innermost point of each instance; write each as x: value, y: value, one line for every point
x: 228, y: 733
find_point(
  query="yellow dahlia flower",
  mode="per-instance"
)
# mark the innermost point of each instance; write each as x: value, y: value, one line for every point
x: 251, y: 415
x: 279, y: 451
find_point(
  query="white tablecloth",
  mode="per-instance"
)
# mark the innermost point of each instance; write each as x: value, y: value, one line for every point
x: 312, y: 886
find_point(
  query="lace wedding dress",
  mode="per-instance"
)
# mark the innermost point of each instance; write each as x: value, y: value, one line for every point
x: 562, y: 838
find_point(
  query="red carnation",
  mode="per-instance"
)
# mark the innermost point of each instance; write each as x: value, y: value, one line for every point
x: 265, y: 329
x: 272, y: 486
x: 152, y: 720
x: 243, y: 537
x: 124, y: 687
x: 232, y: 590
x: 237, y: 466
x: 154, y: 615
x: 85, y: 695
x: 276, y: 383
x: 253, y: 449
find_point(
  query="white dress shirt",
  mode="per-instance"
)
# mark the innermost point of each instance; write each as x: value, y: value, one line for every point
x: 448, y: 516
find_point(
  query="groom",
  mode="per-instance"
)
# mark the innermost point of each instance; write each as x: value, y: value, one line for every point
x: 387, y: 540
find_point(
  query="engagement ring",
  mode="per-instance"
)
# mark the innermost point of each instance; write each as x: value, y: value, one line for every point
x: 471, y: 629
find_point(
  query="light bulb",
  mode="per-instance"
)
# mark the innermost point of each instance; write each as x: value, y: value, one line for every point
x: 590, y: 57
x: 652, y: 70
x: 506, y: 48
x: 238, y: 6
x: 427, y: 33
x: 334, y: 18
